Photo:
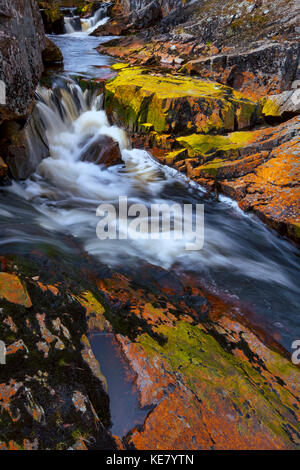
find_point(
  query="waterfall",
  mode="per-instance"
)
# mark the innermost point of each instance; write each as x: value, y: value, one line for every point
x: 72, y: 24
x: 99, y: 18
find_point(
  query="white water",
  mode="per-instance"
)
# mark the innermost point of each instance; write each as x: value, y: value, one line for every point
x: 88, y: 25
x: 240, y: 256
x: 67, y: 191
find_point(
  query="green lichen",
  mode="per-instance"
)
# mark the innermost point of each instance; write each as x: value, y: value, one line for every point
x: 175, y: 103
x: 207, y: 369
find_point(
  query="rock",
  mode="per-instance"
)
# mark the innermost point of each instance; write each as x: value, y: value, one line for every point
x: 51, y: 54
x: 143, y: 101
x: 21, y: 30
x: 3, y: 170
x: 260, y: 169
x: 53, y: 19
x: 287, y: 103
x: 52, y: 393
x: 24, y: 147
x: 217, y: 375
x: 267, y: 69
x: 103, y: 150
x: 12, y: 290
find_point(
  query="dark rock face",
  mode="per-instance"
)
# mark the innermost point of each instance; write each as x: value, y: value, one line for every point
x: 51, y: 396
x: 135, y: 15
x: 22, y: 41
x: 23, y: 147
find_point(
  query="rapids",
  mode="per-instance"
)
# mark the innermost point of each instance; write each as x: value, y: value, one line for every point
x: 241, y: 256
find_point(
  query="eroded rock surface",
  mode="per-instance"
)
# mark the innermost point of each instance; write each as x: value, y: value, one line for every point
x: 22, y: 41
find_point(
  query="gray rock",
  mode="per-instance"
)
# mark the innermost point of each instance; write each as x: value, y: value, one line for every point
x: 22, y: 41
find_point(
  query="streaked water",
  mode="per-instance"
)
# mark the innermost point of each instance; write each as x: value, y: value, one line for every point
x: 240, y: 257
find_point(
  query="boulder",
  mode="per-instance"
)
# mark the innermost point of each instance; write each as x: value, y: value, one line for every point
x: 143, y: 101
x: 103, y: 150
x: 52, y: 54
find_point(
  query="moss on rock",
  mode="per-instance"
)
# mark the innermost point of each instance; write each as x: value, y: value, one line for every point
x: 136, y: 97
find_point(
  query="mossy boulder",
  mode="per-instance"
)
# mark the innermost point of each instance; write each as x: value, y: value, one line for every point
x: 141, y: 101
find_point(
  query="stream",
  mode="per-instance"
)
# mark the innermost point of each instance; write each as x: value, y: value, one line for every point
x: 241, y: 257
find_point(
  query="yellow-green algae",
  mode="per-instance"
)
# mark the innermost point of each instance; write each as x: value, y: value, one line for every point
x: 176, y: 103
x: 207, y: 369
x: 202, y: 144
x: 270, y: 107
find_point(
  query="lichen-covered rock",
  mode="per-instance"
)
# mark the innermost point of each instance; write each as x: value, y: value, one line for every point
x: 52, y: 393
x: 260, y: 169
x: 252, y: 46
x: 22, y: 41
x: 211, y: 380
x: 268, y: 68
x: 143, y: 101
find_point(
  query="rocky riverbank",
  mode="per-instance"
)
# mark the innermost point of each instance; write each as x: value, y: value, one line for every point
x: 253, y: 49
x: 211, y: 380
x: 210, y: 89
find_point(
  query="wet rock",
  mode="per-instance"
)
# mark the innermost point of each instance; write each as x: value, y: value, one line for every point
x: 143, y: 101
x: 52, y: 394
x: 53, y: 18
x: 21, y: 30
x: 23, y: 146
x: 103, y: 150
x: 52, y: 54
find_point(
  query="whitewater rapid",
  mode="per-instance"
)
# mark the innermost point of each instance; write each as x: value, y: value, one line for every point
x: 241, y: 257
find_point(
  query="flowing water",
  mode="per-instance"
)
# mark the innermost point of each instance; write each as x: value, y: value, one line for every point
x: 241, y: 257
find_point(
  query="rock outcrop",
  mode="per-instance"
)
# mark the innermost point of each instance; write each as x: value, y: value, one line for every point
x: 259, y: 168
x: 22, y: 41
x: 251, y: 46
x: 51, y: 394
x: 199, y: 363
x: 143, y: 101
